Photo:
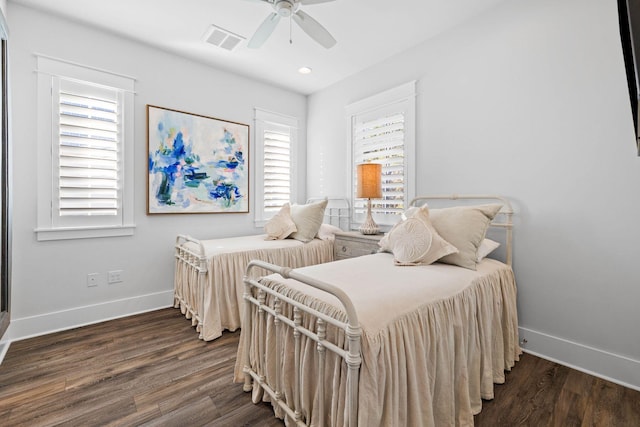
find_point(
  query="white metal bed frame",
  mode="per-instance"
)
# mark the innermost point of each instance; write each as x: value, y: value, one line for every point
x: 353, y: 332
x: 192, y: 267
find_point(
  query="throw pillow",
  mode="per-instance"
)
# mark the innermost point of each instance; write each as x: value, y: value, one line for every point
x: 464, y: 227
x: 415, y: 241
x: 308, y: 219
x: 280, y: 226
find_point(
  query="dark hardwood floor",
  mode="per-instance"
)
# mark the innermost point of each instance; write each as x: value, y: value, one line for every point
x: 151, y: 369
x: 538, y: 392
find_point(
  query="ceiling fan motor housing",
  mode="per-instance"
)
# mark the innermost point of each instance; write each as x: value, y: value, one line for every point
x: 285, y: 8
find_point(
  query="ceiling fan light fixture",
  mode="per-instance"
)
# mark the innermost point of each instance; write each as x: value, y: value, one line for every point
x: 284, y: 8
x: 305, y: 70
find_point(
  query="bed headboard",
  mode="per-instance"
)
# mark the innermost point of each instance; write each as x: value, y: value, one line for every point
x: 503, y: 220
x: 337, y: 213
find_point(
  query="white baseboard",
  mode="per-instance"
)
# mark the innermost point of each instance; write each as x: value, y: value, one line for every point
x: 28, y: 327
x: 603, y: 364
x: 4, y: 347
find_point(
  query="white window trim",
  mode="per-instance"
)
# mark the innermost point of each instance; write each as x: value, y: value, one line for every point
x: 262, y: 118
x: 48, y: 68
x: 403, y: 93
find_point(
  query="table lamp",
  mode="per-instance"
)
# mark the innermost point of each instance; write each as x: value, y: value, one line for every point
x: 369, y: 187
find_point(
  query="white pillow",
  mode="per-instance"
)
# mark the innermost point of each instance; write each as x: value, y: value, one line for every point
x: 486, y: 247
x: 412, y: 211
x: 328, y: 231
x: 280, y: 226
x: 415, y: 241
x: 308, y: 219
x: 384, y: 243
x: 464, y: 227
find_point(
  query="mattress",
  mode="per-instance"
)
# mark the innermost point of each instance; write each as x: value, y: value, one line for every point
x: 231, y: 245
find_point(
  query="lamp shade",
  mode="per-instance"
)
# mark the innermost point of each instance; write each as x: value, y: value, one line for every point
x: 369, y: 181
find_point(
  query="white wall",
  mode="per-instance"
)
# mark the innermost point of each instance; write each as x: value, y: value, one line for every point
x: 49, y: 289
x: 529, y: 101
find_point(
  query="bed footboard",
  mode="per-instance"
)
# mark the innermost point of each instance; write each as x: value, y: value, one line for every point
x: 255, y: 296
x: 190, y: 278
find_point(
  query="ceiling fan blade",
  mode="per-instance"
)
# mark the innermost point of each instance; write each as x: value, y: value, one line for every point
x: 306, y: 2
x: 264, y: 31
x: 314, y: 29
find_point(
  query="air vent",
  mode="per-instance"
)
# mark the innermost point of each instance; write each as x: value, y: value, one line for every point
x: 222, y: 38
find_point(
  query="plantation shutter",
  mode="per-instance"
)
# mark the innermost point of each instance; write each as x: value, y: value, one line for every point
x: 85, y: 127
x: 88, y: 151
x: 277, y: 168
x: 379, y: 137
x: 276, y: 172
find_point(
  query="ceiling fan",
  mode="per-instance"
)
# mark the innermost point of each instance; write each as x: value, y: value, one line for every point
x: 290, y: 9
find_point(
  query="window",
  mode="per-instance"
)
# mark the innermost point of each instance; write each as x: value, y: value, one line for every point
x: 382, y: 130
x: 276, y: 137
x: 85, y: 152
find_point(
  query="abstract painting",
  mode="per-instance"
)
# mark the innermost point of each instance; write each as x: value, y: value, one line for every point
x: 197, y: 164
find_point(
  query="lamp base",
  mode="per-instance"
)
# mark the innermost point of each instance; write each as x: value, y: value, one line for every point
x: 369, y: 226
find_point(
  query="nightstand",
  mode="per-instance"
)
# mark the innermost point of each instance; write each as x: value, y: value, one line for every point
x: 350, y: 244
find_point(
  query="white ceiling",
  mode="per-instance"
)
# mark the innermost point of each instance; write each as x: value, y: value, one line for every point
x: 367, y: 31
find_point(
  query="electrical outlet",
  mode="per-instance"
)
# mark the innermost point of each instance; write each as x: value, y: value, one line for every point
x: 93, y: 279
x: 114, y: 276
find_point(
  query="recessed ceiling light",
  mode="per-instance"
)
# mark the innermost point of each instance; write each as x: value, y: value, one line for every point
x: 304, y: 70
